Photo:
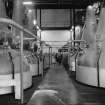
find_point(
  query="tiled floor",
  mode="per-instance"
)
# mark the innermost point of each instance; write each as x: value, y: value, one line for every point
x: 56, y: 89
x: 90, y: 95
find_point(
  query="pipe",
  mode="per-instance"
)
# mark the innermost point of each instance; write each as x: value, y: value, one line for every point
x: 22, y: 29
x: 14, y: 24
x: 98, y: 73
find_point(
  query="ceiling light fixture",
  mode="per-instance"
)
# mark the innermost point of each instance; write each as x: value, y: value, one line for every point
x: 28, y: 3
x: 34, y: 22
x: 29, y: 10
x: 37, y: 27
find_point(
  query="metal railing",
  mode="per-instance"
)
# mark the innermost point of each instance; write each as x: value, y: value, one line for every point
x: 22, y: 31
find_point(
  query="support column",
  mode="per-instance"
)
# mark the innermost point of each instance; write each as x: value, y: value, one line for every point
x: 19, y: 91
x: 74, y: 35
x: 21, y: 69
x: 40, y: 19
x: 41, y: 60
x: 2, y: 14
x: 41, y: 45
x: 36, y: 21
x: 71, y: 38
x: 18, y: 16
x: 49, y: 56
x: 74, y: 24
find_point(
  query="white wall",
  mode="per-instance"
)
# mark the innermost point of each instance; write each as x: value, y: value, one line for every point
x: 58, y: 35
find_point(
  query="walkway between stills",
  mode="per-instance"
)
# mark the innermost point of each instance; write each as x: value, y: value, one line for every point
x: 56, y: 89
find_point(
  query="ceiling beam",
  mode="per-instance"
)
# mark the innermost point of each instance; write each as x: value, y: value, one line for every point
x: 58, y: 6
x: 55, y: 28
x: 62, y: 4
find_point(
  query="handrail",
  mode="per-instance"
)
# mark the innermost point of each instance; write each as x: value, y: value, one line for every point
x: 28, y: 38
x: 78, y: 41
x: 13, y: 23
x: 5, y: 31
x: 81, y: 37
x: 22, y: 29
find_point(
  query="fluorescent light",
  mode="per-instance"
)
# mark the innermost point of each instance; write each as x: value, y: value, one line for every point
x: 29, y: 10
x: 27, y: 3
x: 34, y: 22
x: 37, y: 27
x: 90, y: 7
x: 72, y: 27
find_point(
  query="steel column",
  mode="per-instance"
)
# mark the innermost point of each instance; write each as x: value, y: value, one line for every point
x: 74, y: 24
x: 21, y: 67
x: 49, y: 56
